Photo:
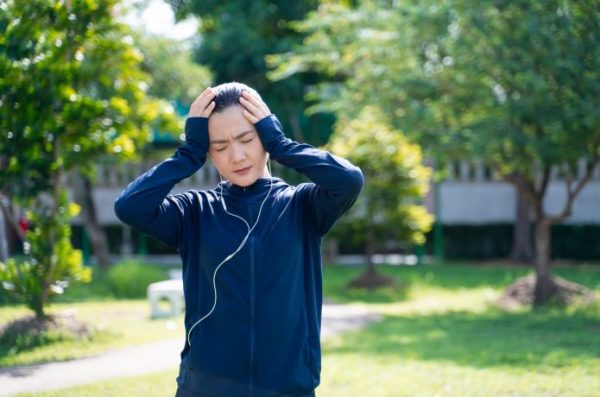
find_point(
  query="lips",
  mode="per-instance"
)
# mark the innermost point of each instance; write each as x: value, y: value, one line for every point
x: 242, y: 171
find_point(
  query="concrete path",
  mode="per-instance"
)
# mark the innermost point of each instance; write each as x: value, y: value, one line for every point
x: 147, y: 358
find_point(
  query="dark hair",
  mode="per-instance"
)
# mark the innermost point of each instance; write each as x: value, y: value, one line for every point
x: 228, y: 95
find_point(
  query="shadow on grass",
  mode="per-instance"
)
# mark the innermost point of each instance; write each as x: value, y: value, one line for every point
x: 28, y: 333
x: 536, y: 340
x: 445, y: 276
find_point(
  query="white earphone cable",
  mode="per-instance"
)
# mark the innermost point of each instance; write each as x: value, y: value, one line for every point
x: 250, y: 229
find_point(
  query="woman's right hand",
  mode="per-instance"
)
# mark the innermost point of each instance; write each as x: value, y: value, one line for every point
x: 203, y: 105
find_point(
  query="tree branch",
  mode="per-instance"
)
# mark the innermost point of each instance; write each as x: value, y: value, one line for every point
x: 571, y: 194
x: 526, y: 187
x: 545, y: 181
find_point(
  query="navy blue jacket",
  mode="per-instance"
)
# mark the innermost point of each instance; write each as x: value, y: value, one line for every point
x: 263, y: 338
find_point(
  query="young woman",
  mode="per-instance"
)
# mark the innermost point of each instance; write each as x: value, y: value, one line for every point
x: 250, y: 247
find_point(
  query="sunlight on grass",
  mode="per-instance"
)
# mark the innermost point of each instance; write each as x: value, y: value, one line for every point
x: 115, y: 324
x: 440, y: 335
x: 152, y: 385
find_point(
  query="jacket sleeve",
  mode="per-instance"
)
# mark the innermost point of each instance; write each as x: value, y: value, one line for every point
x: 145, y: 203
x: 336, y: 182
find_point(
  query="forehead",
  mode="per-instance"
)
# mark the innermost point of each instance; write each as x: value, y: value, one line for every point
x: 227, y: 123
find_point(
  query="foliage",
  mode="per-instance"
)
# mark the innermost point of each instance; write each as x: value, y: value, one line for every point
x: 512, y: 83
x: 236, y: 36
x: 515, y: 83
x: 72, y: 93
x: 173, y: 74
x: 537, y: 67
x: 395, y: 179
x: 51, y: 264
x: 131, y: 279
x: 71, y: 90
x: 371, y: 55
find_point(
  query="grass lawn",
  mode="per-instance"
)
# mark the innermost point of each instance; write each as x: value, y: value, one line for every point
x: 115, y: 323
x: 440, y: 336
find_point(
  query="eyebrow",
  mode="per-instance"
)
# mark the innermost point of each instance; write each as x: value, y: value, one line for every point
x: 237, y: 137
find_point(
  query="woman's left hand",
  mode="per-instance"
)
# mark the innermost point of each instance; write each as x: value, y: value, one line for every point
x: 254, y: 107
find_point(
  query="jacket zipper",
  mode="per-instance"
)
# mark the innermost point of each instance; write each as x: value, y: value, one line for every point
x: 251, y: 241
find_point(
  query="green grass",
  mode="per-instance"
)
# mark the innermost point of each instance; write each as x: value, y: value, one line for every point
x: 114, y: 307
x: 159, y: 385
x: 115, y: 323
x: 440, y: 335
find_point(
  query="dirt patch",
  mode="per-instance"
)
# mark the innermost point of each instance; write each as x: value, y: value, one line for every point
x: 371, y: 280
x: 520, y: 293
x: 28, y: 332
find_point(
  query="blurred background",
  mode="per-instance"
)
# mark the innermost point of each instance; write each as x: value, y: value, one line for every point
x: 476, y: 125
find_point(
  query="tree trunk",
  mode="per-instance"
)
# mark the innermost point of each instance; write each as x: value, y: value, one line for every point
x: 37, y: 304
x: 370, y: 279
x: 3, y: 238
x: 522, y: 247
x: 84, y: 196
x: 331, y: 250
x: 13, y: 229
x: 296, y: 130
x: 545, y: 287
x: 370, y: 249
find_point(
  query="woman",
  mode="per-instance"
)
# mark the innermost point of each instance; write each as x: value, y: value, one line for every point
x: 250, y: 247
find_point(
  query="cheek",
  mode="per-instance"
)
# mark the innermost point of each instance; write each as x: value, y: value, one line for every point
x: 218, y: 158
x: 257, y: 149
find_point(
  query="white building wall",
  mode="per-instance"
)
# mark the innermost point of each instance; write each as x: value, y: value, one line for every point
x: 495, y: 202
x: 470, y: 195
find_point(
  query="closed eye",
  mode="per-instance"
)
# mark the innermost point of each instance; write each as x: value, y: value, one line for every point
x: 225, y: 147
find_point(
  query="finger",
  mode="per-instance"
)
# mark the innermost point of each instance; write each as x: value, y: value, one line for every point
x: 207, y: 112
x: 204, y: 99
x: 252, y: 108
x: 207, y: 91
x: 204, y: 94
x: 250, y: 96
x: 257, y: 110
x: 254, y: 97
x: 257, y: 101
x: 251, y: 118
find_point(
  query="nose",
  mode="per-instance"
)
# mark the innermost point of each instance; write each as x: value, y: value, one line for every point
x: 237, y: 153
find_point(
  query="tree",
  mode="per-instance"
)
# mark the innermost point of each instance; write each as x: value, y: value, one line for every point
x: 396, y: 182
x: 514, y: 83
x: 172, y: 77
x: 173, y: 73
x: 236, y: 37
x: 71, y: 93
x: 53, y: 264
x: 540, y: 65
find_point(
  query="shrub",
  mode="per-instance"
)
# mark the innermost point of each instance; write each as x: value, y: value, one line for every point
x: 50, y: 264
x: 131, y: 279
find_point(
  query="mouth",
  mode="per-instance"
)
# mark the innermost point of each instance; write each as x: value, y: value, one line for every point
x: 242, y: 171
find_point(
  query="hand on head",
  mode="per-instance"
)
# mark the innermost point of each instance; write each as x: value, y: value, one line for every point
x: 203, y: 105
x: 254, y: 107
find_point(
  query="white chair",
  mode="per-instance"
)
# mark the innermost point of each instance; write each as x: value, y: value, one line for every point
x: 171, y: 290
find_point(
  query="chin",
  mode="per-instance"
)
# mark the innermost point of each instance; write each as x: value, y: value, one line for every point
x: 243, y: 181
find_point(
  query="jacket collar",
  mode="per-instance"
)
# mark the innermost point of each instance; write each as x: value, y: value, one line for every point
x: 255, y: 191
